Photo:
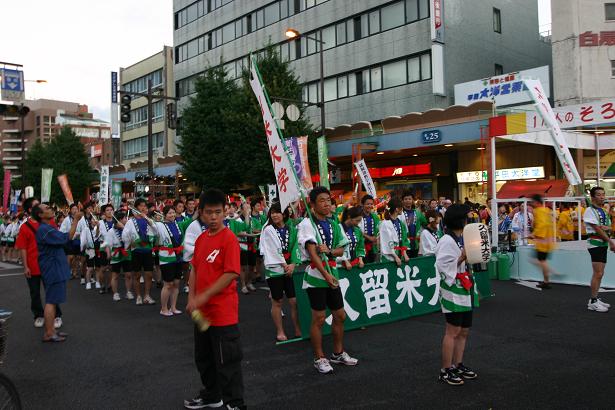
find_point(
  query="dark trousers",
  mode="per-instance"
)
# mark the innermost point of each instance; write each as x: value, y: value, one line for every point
x: 218, y: 355
x: 36, y: 305
x: 412, y: 253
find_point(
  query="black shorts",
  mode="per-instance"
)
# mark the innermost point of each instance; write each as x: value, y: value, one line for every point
x: 322, y: 298
x: 542, y: 256
x: 93, y: 262
x: 248, y: 258
x: 171, y: 271
x: 142, y: 261
x: 10, y: 244
x: 73, y: 247
x: 2, y: 243
x: 459, y: 319
x: 126, y: 266
x: 280, y: 286
x: 598, y: 254
x: 103, y: 259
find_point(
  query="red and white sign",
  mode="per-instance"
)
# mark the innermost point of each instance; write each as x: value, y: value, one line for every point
x: 572, y: 116
x: 437, y: 20
x: 288, y: 185
x: 96, y: 150
x: 590, y: 39
x: 402, y: 171
x: 559, y: 143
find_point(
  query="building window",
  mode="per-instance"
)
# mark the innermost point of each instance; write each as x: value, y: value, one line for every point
x: 499, y: 70
x: 392, y: 16
x: 138, y: 147
x: 612, y: 68
x: 609, y: 11
x: 394, y: 74
x: 497, y: 20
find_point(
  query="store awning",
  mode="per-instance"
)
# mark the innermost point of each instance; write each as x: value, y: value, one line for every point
x: 547, y: 188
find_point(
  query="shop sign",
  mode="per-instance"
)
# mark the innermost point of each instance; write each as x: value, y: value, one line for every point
x: 86, y: 132
x: 591, y: 39
x: 572, y: 116
x: 505, y: 89
x: 96, y: 150
x: 431, y: 136
x: 508, y: 174
x: 437, y: 21
x: 402, y: 171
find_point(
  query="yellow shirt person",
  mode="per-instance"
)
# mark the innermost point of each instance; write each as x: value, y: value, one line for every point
x: 543, y: 229
x: 565, y: 226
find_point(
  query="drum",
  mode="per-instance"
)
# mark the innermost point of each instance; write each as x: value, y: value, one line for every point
x: 476, y: 243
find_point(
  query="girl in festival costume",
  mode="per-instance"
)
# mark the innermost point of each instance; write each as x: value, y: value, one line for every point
x: 104, y: 226
x: 431, y: 234
x: 370, y: 227
x: 3, y: 235
x: 458, y: 296
x: 355, y: 251
x: 118, y: 253
x: 170, y: 249
x: 90, y: 246
x: 279, y: 247
x: 393, y: 234
x: 12, y: 231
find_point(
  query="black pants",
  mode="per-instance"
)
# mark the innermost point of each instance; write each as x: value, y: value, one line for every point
x: 412, y: 253
x: 218, y: 355
x: 36, y: 305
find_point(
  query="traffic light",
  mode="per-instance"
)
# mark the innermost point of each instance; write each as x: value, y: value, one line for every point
x: 125, y: 108
x: 172, y: 116
x: 14, y: 110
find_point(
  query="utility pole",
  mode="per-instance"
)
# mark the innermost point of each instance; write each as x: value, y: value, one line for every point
x: 22, y: 118
x: 150, y: 148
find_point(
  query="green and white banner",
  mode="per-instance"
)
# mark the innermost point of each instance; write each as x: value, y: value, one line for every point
x: 383, y: 292
x: 116, y: 194
x: 46, y: 176
x: 323, y: 165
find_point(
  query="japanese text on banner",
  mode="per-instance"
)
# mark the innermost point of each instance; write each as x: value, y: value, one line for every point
x: 366, y: 178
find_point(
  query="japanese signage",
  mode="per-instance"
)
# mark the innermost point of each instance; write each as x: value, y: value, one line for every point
x: 590, y: 39
x: 298, y: 147
x: 115, y: 127
x: 405, y: 170
x: 84, y: 132
x: 428, y: 137
x: 96, y: 150
x: 12, y: 85
x: 288, y: 185
x: 559, y: 143
x: 506, y: 89
x: 437, y: 20
x: 46, y: 175
x: 323, y: 164
x: 6, y: 189
x: 383, y: 292
x: 68, y: 194
x: 572, y: 116
x: 103, y: 195
x: 509, y: 174
x: 366, y: 178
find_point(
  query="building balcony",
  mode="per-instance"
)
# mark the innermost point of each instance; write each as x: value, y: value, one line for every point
x: 13, y: 149
x: 9, y: 166
x: 10, y: 118
x: 11, y: 159
x: 11, y: 131
x: 11, y: 141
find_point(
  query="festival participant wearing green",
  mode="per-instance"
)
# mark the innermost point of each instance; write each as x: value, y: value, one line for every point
x: 322, y: 282
x: 598, y: 225
x: 170, y: 253
x: 119, y: 256
x: 431, y: 234
x: 280, y: 250
x: 393, y: 234
x: 355, y: 250
x: 414, y: 220
x: 370, y: 226
x: 458, y: 296
x: 140, y: 233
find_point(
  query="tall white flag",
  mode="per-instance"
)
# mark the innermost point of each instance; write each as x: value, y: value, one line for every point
x: 366, y: 178
x: 559, y: 143
x: 288, y: 185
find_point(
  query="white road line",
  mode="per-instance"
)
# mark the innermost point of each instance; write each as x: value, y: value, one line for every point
x: 10, y: 274
x: 607, y: 290
x: 528, y: 284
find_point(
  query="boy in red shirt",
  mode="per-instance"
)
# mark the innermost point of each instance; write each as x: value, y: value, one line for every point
x: 215, y: 268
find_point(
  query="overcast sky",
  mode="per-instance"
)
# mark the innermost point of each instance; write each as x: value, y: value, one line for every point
x: 75, y: 44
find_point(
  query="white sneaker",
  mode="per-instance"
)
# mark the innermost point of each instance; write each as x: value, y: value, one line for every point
x: 148, y: 300
x: 57, y: 323
x: 245, y: 291
x: 116, y: 297
x: 92, y: 280
x: 39, y: 322
x: 141, y: 280
x: 98, y: 285
x: 323, y: 366
x: 129, y: 295
x: 251, y: 287
x: 596, y: 306
x: 82, y: 281
x: 343, y: 358
x: 88, y: 286
x: 139, y: 301
x: 606, y: 305
x: 186, y: 289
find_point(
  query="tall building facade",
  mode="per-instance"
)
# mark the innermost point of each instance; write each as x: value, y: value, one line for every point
x: 133, y: 135
x: 43, y: 122
x: 583, y: 35
x: 381, y: 58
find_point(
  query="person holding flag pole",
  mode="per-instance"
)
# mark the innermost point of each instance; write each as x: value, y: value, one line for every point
x: 320, y: 240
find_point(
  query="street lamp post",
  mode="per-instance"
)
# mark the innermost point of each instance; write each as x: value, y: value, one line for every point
x: 293, y: 34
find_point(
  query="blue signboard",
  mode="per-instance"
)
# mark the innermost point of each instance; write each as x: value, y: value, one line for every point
x: 113, y: 87
x: 431, y: 136
x: 12, y: 80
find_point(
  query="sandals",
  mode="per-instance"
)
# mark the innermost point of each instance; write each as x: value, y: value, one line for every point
x: 55, y: 339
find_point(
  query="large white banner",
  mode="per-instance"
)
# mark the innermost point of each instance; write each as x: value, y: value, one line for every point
x: 366, y: 178
x: 103, y: 195
x: 288, y: 185
x: 561, y: 148
x: 572, y: 116
x: 46, y: 175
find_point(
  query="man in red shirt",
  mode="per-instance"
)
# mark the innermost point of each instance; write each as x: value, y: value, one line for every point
x: 215, y: 268
x: 26, y: 243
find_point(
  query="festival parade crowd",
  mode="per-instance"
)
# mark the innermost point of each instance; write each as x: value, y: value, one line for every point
x: 220, y: 246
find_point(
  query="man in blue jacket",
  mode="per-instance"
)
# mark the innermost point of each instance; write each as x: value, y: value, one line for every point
x: 52, y: 260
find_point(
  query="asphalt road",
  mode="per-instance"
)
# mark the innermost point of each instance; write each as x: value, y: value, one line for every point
x: 531, y: 349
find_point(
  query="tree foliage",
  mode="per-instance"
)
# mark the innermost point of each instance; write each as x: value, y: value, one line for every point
x: 66, y: 155
x: 223, y: 141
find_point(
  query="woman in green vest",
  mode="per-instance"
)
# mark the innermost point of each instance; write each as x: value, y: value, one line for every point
x: 355, y: 251
x: 170, y: 249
